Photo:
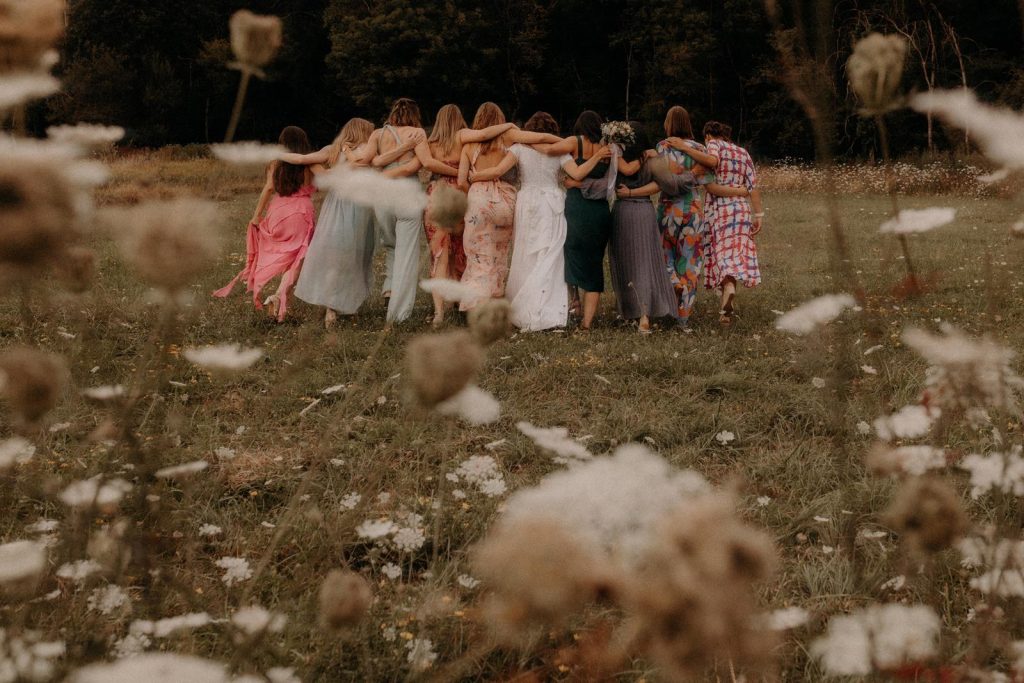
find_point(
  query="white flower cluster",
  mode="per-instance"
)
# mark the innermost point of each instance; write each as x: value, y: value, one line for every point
x: 556, y: 439
x: 103, y: 493
x: 806, y: 317
x: 154, y: 667
x: 26, y: 657
x: 999, y: 132
x: 619, y: 132
x: 21, y: 561
x: 403, y: 197
x: 247, y: 153
x: 474, y: 405
x: 910, y: 221
x: 611, y: 503
x: 255, y: 619
x: 15, y: 451
x: 107, y: 599
x: 222, y: 357
x: 481, y: 471
x: 421, y: 653
x: 408, y: 537
x: 449, y: 290
x: 78, y: 570
x: 236, y: 570
x: 995, y: 471
x: 879, y: 637
x: 909, y: 422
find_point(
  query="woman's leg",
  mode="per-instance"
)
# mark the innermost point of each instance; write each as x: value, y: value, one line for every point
x: 591, y: 300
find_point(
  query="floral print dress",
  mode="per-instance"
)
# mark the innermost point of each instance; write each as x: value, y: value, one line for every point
x: 684, y: 227
x: 487, y: 239
x: 730, y: 248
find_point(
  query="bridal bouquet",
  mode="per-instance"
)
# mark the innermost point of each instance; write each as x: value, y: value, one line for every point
x: 617, y: 132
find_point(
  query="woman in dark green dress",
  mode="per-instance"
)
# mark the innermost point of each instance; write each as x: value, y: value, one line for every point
x: 589, y: 220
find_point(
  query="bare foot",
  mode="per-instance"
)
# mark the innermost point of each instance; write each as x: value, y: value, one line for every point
x: 330, y: 318
x: 271, y: 304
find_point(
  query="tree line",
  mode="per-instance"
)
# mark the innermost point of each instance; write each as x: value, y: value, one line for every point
x: 159, y: 69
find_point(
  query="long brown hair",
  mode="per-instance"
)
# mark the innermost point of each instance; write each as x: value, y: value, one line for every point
x: 354, y: 133
x: 405, y: 112
x: 489, y: 114
x: 289, y: 178
x: 678, y: 123
x: 445, y: 133
x: 541, y: 122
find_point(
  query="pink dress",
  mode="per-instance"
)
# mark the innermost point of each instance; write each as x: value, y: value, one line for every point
x: 487, y: 238
x: 730, y: 250
x: 446, y: 243
x: 276, y: 247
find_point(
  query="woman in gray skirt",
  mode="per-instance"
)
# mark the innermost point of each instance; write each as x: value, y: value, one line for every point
x: 642, y: 288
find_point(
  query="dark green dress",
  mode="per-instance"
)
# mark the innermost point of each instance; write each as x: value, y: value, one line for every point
x: 589, y: 227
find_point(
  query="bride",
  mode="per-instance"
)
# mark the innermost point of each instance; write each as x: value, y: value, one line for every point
x: 536, y: 287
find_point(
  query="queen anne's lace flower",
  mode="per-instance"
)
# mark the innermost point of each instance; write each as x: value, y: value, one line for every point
x: 806, y: 317
x: 881, y: 636
x: 236, y: 569
x: 919, y: 220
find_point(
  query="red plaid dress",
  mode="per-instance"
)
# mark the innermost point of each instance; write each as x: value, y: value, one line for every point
x: 729, y: 248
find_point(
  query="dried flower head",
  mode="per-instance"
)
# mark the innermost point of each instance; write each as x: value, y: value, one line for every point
x: 28, y: 29
x: 447, y: 206
x: 107, y: 547
x: 875, y: 70
x: 491, y: 321
x: 439, y: 366
x: 538, y: 574
x: 927, y: 512
x: 255, y: 39
x: 345, y: 598
x: 31, y: 381
x: 37, y: 217
x: 169, y: 243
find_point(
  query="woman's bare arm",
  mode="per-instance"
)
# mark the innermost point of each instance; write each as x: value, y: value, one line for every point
x: 644, y: 191
x: 394, y: 155
x: 581, y: 171
x: 468, y: 135
x: 629, y: 167
x: 428, y: 161
x: 369, y: 149
x: 526, y: 137
x: 496, y: 171
x: 265, y: 194
x: 464, y: 169
x: 319, y: 157
x: 702, y: 158
x: 563, y: 146
x: 720, y: 190
x: 407, y: 169
x: 757, y: 204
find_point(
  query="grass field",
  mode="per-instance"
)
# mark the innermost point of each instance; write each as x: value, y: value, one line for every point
x: 796, y: 459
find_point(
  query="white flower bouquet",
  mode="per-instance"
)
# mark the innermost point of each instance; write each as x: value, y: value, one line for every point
x: 617, y: 132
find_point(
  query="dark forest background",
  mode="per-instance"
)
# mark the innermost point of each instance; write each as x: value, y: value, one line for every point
x: 159, y: 68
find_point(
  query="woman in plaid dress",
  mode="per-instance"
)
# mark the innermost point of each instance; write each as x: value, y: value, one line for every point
x: 730, y: 251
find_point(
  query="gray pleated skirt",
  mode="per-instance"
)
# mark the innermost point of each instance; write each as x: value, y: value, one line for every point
x: 641, y: 284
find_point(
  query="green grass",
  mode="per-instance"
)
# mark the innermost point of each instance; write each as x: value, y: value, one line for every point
x: 795, y: 444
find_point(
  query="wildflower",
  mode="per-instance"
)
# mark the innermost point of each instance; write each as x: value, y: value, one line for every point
x: 154, y: 667
x: 87, y: 135
x: 15, y: 451
x: 20, y: 88
x: 255, y: 40
x: 875, y: 69
x: 477, y: 469
x: 449, y: 290
x: 21, y: 564
x: 439, y: 366
x: 863, y: 428
x: 818, y: 383
x: 391, y: 570
x: 224, y: 453
x: 908, y: 422
x: 472, y: 404
x: 350, y: 501
x: 106, y: 392
x: 806, y: 317
x: 787, y: 618
x: 183, y: 232
x: 869, y: 370
x: 763, y: 501
x: 999, y: 132
x: 376, y: 528
x: 282, y: 674
x: 995, y: 471
x: 966, y: 373
x: 223, y: 357
x: 210, y: 530
x: 105, y: 494
x: 28, y: 29
x: 446, y: 207
x: 247, y: 153
x: 493, y: 487
x: 345, y: 598
x: 421, y: 653
x: 236, y: 570
x: 913, y: 460
x: 467, y: 581
x: 918, y: 220
x: 928, y: 513
x: 490, y: 321
x: 31, y: 381
x: 25, y: 656
x: 183, y: 470
x: 725, y: 437
x: 165, y: 628
x: 78, y: 570
x: 887, y: 636
x: 556, y: 440
x: 255, y: 619
x: 611, y: 503
x: 408, y: 539
x: 1004, y: 583
x: 107, y: 599
x: 403, y: 197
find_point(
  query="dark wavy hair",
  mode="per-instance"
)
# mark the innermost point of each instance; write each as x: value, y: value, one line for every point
x: 641, y: 143
x: 289, y: 178
x: 588, y: 124
x: 542, y: 122
x: 717, y: 129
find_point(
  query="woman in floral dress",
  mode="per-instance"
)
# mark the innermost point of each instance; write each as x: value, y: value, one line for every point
x: 731, y: 250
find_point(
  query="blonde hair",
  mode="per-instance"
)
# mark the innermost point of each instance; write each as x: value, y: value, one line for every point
x: 404, y: 112
x: 489, y: 114
x: 445, y: 133
x: 354, y: 133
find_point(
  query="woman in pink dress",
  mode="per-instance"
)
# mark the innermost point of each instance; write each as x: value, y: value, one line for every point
x: 733, y: 221
x: 277, y: 240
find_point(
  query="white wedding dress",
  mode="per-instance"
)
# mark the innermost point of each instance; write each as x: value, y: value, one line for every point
x: 536, y: 279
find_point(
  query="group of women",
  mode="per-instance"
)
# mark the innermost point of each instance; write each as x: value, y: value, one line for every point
x: 537, y: 223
